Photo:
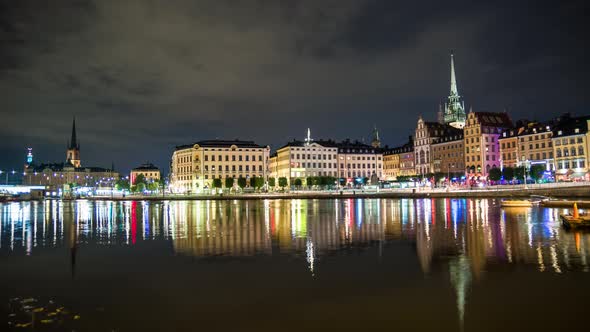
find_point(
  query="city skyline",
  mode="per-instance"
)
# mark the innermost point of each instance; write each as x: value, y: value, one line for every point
x: 268, y: 72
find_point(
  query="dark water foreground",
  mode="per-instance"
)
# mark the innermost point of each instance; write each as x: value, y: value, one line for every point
x: 290, y: 265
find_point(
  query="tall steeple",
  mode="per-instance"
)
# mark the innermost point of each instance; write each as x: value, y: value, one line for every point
x: 74, y: 140
x: 73, y: 151
x: 454, y: 109
x: 454, y: 91
x: 308, y: 139
x: 376, y: 142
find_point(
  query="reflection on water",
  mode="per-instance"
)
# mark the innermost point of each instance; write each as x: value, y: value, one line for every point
x: 467, y: 236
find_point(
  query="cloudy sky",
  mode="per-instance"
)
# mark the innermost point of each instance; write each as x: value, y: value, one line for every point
x: 143, y: 76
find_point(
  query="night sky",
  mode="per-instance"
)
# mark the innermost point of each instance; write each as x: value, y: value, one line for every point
x: 144, y: 76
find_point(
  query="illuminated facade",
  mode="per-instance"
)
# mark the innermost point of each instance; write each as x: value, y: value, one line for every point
x: 527, y: 145
x: 399, y: 161
x: 358, y: 160
x: 150, y: 172
x: 195, y: 166
x: 571, y: 144
x: 481, y: 133
x: 448, y: 153
x: 302, y: 159
x: 428, y: 133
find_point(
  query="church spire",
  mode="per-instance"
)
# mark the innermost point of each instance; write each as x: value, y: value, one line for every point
x: 454, y: 90
x: 454, y: 109
x: 376, y: 142
x: 74, y: 140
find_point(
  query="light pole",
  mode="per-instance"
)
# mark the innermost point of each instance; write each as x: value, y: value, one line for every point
x: 525, y: 174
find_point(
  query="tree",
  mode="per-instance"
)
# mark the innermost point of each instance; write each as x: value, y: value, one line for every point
x: 140, y: 179
x: 271, y: 182
x: 138, y: 188
x: 153, y: 186
x: 258, y: 182
x: 241, y: 182
x: 537, y: 172
x: 519, y: 173
x: 282, y: 182
x: 122, y: 184
x: 298, y: 182
x: 508, y: 173
x: 495, y: 174
x: 229, y: 182
x: 309, y: 181
x: 216, y: 183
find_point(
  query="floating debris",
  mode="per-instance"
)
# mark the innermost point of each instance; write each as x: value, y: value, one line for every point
x: 28, y: 312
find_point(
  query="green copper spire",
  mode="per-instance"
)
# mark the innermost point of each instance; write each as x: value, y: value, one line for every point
x: 454, y: 109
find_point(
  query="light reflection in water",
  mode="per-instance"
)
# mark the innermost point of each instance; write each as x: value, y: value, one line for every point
x: 477, y: 230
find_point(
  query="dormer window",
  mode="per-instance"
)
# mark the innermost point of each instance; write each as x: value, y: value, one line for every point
x: 577, y: 130
x: 559, y: 132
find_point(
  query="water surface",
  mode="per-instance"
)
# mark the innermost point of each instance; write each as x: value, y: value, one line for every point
x: 292, y: 265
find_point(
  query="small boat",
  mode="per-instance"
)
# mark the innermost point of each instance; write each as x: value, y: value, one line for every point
x: 516, y: 203
x: 570, y: 221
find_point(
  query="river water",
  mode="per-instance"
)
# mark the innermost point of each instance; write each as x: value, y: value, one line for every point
x: 290, y: 265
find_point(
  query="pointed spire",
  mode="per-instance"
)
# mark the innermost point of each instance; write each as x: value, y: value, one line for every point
x: 375, y: 133
x: 454, y: 91
x: 308, y: 138
x: 73, y: 140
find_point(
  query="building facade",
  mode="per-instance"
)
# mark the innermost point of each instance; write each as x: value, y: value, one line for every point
x: 358, y: 160
x: 428, y: 133
x: 571, y: 144
x: 481, y: 133
x: 509, y: 148
x: 448, y: 153
x: 396, y: 162
x: 195, y: 166
x: 150, y: 172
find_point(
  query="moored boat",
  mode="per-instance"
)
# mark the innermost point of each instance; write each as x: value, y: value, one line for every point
x: 575, y: 220
x: 516, y: 203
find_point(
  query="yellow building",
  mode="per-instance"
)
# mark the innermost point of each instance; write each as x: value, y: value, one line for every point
x: 396, y: 163
x: 302, y: 159
x: 194, y: 166
x: 509, y: 148
x: 571, y: 147
x: 481, y: 134
x: 150, y: 172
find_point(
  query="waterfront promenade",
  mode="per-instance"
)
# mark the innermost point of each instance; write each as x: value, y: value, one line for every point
x: 573, y: 189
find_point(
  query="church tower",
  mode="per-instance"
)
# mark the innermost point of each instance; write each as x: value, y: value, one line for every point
x: 454, y: 109
x: 73, y: 151
x: 376, y: 142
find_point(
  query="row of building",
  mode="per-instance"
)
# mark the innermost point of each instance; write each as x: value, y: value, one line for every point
x: 458, y: 144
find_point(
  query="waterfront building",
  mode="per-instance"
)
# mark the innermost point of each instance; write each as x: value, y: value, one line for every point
x: 508, y: 141
x: 358, y: 160
x: 571, y: 145
x: 428, y: 133
x: 306, y: 158
x: 448, y: 153
x: 454, y: 114
x: 194, y: 166
x: 528, y: 145
x: 150, y: 172
x: 398, y: 161
x: 71, y: 172
x: 481, y: 133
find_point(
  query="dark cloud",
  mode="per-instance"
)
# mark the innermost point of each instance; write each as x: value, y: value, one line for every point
x: 142, y: 76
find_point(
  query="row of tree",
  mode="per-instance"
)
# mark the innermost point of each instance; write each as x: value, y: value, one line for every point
x: 140, y: 184
x: 535, y: 172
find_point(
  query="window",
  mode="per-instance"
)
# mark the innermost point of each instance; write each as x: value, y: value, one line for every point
x: 240, y: 159
x: 580, y: 150
x: 247, y: 158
